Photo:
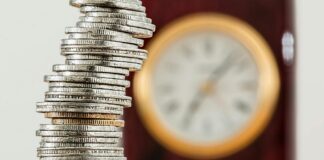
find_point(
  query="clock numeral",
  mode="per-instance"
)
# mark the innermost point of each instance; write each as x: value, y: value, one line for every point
x: 208, y: 47
x: 243, y: 107
x: 242, y: 65
x: 171, y: 107
x: 187, y: 52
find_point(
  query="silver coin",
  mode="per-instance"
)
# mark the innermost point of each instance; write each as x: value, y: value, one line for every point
x: 77, y: 50
x: 85, y: 94
x: 109, y: 3
x: 131, y: 66
x: 85, y: 9
x: 90, y: 90
x: 119, y: 21
x: 86, y: 85
x: 80, y: 116
x: 79, y: 140
x: 136, y: 32
x: 78, y: 134
x: 91, y: 74
x: 89, y: 68
x: 80, y: 148
x: 119, y: 15
x: 79, y: 128
x: 87, y: 97
x: 96, y: 31
x: 83, y: 158
x: 90, y: 46
x: 67, y: 153
x: 84, y: 151
x: 99, y: 2
x: 93, y: 48
x: 94, y: 122
x: 105, y: 43
x: 95, y: 80
x: 79, y: 107
x: 73, y: 145
x: 105, y: 58
x: 114, y: 38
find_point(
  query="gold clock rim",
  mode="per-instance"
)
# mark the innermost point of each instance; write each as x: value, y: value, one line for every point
x: 269, y: 83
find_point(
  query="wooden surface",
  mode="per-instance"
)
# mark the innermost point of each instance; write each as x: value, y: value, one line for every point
x: 271, y: 18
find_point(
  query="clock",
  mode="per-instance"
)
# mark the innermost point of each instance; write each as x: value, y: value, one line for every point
x: 209, y: 86
x: 263, y: 35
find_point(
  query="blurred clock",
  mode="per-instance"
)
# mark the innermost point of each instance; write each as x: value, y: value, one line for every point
x: 209, y: 86
x: 217, y: 83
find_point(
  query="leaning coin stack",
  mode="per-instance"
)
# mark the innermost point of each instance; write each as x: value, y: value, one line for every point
x: 87, y: 94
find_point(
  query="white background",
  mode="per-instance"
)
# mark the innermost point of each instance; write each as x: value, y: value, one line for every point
x: 30, y: 33
x: 310, y: 100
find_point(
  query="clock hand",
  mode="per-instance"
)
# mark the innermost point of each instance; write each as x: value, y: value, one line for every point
x: 220, y: 71
x: 199, y: 97
x: 193, y: 107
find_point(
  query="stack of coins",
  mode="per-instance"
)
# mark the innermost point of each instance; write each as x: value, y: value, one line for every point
x: 87, y: 94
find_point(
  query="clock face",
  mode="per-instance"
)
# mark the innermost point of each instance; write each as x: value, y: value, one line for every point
x: 209, y: 86
x: 205, y: 86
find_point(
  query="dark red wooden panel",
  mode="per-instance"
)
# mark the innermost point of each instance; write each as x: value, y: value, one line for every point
x: 271, y: 18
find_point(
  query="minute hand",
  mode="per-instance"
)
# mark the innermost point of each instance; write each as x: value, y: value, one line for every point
x: 198, y: 98
x: 222, y: 69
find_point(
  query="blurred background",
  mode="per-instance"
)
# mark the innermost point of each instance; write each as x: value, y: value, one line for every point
x: 30, y: 37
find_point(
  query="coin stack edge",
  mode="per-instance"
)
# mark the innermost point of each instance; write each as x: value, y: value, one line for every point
x: 87, y: 94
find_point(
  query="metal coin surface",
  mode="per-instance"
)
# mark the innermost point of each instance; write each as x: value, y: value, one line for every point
x: 72, y: 145
x: 86, y: 96
x: 93, y: 122
x: 77, y: 134
x: 80, y: 115
x: 79, y: 140
x: 51, y: 127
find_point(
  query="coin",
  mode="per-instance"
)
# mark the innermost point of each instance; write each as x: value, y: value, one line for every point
x: 85, y: 9
x: 83, y: 158
x: 104, y: 43
x: 119, y: 15
x: 91, y: 74
x: 137, y: 32
x: 87, y: 97
x: 51, y: 127
x: 86, y: 85
x: 94, y: 122
x: 89, y: 90
x: 79, y: 3
x: 95, y: 80
x: 89, y: 68
x: 96, y: 31
x: 77, y: 134
x: 131, y: 66
x: 77, y: 50
x: 120, y: 21
x: 79, y: 107
x: 80, y: 115
x: 107, y: 58
x: 79, y: 140
x: 109, y: 3
x: 72, y: 145
x: 129, y: 40
x: 109, y: 151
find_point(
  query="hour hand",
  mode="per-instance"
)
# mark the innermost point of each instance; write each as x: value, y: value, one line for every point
x: 193, y: 107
